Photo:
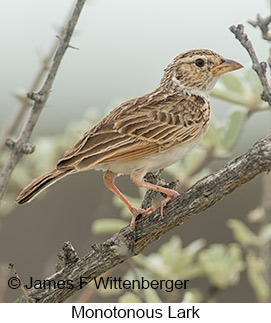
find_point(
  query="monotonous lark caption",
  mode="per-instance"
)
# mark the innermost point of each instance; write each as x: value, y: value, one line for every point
x: 128, y: 313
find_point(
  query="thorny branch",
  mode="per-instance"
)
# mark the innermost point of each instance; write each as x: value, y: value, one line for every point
x: 21, y: 146
x: 263, y: 24
x: 259, y: 67
x: 25, y: 103
x: 127, y: 243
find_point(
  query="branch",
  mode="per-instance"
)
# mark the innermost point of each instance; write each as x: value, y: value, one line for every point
x: 259, y: 67
x: 25, y: 103
x: 40, y: 98
x: 263, y: 24
x: 127, y: 243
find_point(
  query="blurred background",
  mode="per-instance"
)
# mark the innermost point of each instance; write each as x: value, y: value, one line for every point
x: 122, y: 47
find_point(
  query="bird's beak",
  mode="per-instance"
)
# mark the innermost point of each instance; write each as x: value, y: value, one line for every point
x: 227, y: 66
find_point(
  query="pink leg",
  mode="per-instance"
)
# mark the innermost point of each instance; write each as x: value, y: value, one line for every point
x: 170, y: 193
x: 109, y: 178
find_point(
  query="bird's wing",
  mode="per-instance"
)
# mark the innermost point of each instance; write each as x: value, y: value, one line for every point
x: 137, y: 128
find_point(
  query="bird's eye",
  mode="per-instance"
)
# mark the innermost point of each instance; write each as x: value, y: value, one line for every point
x: 199, y: 62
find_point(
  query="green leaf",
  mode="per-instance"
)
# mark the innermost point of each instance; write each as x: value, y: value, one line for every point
x: 195, y: 246
x: 265, y: 234
x: 222, y: 264
x: 256, y: 215
x: 213, y: 137
x: 242, y: 233
x: 108, y: 292
x: 104, y: 226
x: 255, y: 270
x: 129, y: 297
x: 232, y: 83
x: 151, y: 296
x: 193, y: 295
x: 172, y: 247
x: 233, y: 127
x: 182, y: 266
x: 193, y: 160
x: 252, y: 95
x: 188, y: 165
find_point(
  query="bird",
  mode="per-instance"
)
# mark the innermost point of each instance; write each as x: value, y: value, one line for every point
x: 146, y: 133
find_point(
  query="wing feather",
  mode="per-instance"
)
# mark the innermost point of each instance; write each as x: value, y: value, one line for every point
x: 140, y: 127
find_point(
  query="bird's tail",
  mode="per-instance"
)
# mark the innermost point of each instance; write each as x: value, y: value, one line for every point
x: 40, y: 183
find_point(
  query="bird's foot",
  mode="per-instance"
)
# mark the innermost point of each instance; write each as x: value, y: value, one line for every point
x: 136, y: 212
x: 166, y: 200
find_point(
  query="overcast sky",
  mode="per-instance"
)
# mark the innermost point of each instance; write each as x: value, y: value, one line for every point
x: 123, y: 47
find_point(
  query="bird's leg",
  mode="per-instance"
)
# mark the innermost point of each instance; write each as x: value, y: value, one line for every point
x: 109, y: 178
x: 138, y: 180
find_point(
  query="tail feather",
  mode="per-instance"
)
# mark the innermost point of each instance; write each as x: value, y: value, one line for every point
x: 41, y: 183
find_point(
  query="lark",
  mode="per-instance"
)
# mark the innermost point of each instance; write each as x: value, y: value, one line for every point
x: 146, y: 133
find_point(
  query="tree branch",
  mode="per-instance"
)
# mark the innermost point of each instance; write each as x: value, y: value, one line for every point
x: 259, y: 67
x: 263, y: 24
x: 18, y: 148
x: 25, y: 103
x: 127, y: 243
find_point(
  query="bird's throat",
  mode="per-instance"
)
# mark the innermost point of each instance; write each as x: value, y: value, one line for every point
x: 204, y: 93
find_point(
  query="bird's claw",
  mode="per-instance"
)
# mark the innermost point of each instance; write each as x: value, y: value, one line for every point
x: 136, y: 212
x: 166, y: 200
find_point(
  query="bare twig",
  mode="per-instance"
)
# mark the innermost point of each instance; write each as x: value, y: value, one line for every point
x: 128, y: 243
x: 40, y: 98
x: 263, y: 24
x: 259, y: 67
x: 25, y: 103
x: 12, y: 268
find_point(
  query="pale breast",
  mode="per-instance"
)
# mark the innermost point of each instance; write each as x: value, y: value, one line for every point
x: 149, y: 163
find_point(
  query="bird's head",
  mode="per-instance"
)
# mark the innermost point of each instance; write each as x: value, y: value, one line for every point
x: 196, y: 71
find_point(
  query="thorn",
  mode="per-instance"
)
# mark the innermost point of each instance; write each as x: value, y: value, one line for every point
x: 27, y: 148
x: 10, y: 143
x: 20, y: 96
x: 263, y: 66
x: 69, y: 46
x: 35, y: 97
x: 73, y: 47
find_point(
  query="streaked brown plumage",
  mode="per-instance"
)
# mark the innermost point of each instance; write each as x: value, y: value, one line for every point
x: 148, y: 132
